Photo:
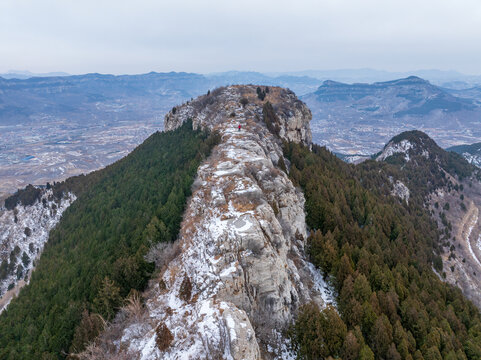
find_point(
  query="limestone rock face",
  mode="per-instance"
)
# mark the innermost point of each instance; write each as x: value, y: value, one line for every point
x: 209, y: 110
x: 241, y: 242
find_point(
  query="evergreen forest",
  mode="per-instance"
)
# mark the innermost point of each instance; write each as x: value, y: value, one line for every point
x: 378, y: 252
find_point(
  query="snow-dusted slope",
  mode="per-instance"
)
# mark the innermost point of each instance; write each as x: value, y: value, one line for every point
x: 472, y: 153
x: 395, y: 148
x: 23, y: 233
x: 241, y: 273
x: 474, y: 159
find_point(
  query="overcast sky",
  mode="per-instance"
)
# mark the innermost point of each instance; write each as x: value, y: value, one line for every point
x: 115, y: 36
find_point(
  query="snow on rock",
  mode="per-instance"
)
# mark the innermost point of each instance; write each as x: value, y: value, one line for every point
x: 23, y: 234
x: 401, y: 191
x: 394, y: 148
x: 242, y: 246
x: 209, y: 110
x: 467, y: 233
x: 473, y: 159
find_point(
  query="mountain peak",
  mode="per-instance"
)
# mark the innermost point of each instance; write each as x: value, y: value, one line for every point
x: 288, y: 116
x: 409, y: 143
x: 409, y: 80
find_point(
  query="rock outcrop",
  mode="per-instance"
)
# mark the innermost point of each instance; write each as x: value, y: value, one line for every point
x: 208, y: 111
x: 241, y: 272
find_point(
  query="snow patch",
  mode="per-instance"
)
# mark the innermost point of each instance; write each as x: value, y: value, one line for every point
x: 401, y: 147
x: 321, y: 286
x: 400, y: 190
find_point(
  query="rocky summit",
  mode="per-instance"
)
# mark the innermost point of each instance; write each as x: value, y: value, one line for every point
x: 241, y: 271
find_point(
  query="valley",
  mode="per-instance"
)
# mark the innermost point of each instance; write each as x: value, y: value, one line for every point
x: 54, y: 149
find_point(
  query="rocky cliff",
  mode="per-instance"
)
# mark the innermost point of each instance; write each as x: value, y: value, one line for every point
x: 241, y: 272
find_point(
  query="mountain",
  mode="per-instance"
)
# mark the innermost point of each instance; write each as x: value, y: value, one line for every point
x: 56, y: 127
x: 19, y: 74
x: 444, y: 78
x: 251, y: 243
x: 95, y: 97
x: 98, y: 97
x: 471, y: 93
x: 360, y: 118
x: 472, y: 153
x: 450, y: 187
x: 301, y: 84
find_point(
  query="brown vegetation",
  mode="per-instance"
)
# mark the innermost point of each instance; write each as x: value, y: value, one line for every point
x: 164, y: 337
x: 185, y: 291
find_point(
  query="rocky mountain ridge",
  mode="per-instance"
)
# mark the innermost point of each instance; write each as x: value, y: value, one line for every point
x: 242, y: 271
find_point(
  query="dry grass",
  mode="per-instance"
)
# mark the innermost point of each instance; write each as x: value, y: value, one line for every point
x: 133, y: 307
x: 244, y: 206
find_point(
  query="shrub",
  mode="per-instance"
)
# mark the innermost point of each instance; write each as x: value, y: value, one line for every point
x: 185, y: 291
x: 163, y: 337
x: 89, y: 328
x: 261, y: 94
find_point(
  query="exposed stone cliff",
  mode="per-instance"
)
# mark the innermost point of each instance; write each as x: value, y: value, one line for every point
x: 241, y: 272
x: 212, y: 109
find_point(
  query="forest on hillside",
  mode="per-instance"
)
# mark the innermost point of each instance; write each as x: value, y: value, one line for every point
x: 379, y: 253
x: 96, y: 256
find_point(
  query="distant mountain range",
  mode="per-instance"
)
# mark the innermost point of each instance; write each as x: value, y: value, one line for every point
x: 449, y: 79
x: 56, y: 126
x: 21, y: 74
x: 359, y: 118
x: 100, y: 97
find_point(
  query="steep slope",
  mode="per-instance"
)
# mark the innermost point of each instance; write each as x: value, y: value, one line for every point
x: 360, y: 118
x: 95, y: 256
x: 446, y: 184
x: 24, y: 231
x: 380, y: 252
x: 241, y: 273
